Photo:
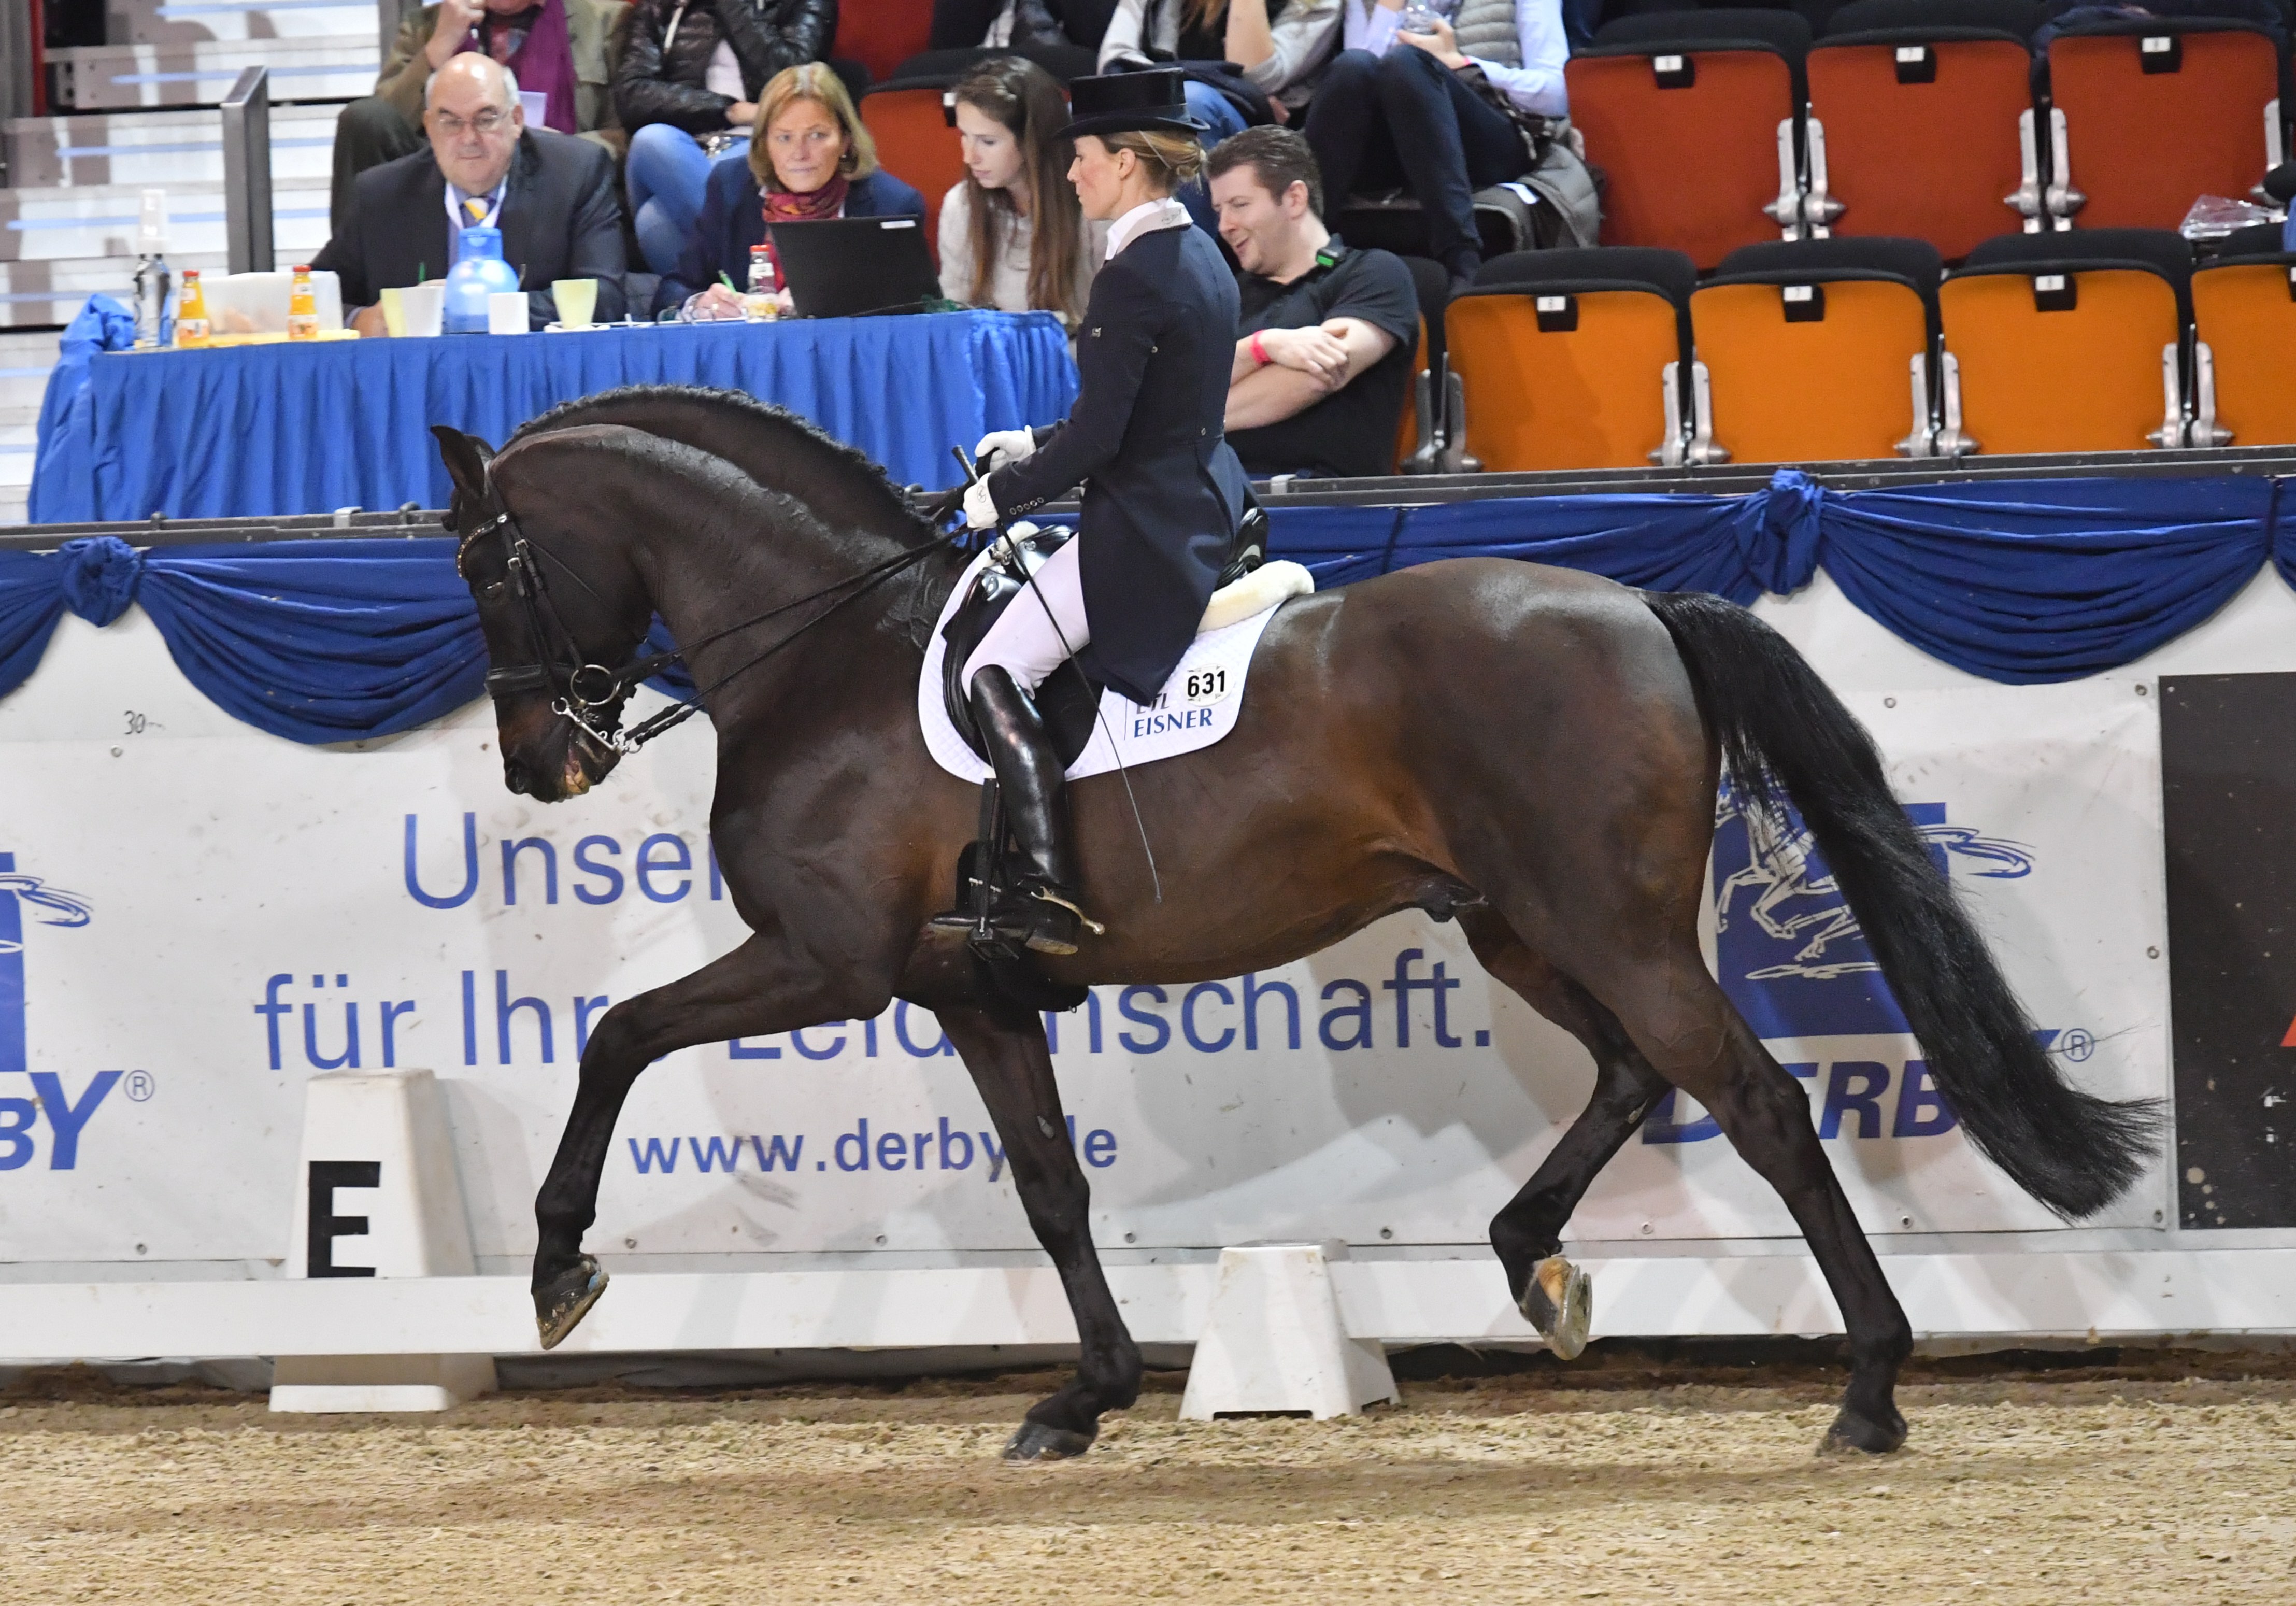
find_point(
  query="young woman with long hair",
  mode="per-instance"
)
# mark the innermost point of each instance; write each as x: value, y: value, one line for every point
x: 1012, y: 235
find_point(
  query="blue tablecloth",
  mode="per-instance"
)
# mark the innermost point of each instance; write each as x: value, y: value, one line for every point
x: 284, y: 428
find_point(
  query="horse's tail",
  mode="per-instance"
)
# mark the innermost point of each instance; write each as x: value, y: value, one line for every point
x: 1779, y: 726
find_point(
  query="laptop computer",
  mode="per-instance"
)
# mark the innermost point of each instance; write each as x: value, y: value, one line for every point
x: 851, y: 267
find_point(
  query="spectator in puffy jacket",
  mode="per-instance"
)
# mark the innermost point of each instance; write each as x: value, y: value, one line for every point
x: 813, y: 161
x: 559, y: 48
x: 686, y: 89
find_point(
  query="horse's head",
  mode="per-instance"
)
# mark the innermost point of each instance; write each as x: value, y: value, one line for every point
x: 562, y: 609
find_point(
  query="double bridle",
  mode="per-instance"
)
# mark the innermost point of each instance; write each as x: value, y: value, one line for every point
x: 589, y: 695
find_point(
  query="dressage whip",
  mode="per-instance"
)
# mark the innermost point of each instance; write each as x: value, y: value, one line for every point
x: 1155, y: 881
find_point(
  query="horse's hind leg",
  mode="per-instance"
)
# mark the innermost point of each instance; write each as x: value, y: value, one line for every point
x: 1553, y: 1295
x: 1012, y: 1065
x: 1686, y: 1029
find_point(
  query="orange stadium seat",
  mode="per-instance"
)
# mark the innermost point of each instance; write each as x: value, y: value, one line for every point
x: 1571, y: 359
x: 883, y: 34
x: 2156, y: 114
x: 915, y: 142
x: 2067, y: 342
x: 1913, y: 120
x: 1817, y: 351
x: 2245, y: 314
x: 1691, y: 116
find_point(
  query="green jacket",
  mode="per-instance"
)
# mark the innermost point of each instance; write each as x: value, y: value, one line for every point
x: 593, y: 29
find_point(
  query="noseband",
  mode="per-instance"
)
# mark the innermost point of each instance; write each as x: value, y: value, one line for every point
x: 590, y: 695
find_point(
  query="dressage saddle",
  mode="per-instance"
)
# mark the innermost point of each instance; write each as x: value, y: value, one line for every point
x: 1069, y: 699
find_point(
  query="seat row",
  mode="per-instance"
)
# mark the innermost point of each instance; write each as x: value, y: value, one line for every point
x: 1843, y: 349
x: 1918, y: 118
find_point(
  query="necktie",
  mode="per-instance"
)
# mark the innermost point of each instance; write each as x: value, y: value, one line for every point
x: 476, y: 206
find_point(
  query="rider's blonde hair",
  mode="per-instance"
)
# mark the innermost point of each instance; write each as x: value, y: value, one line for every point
x: 1169, y: 160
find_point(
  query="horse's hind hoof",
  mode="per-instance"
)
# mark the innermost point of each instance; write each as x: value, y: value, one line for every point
x: 1559, y: 1300
x: 1039, y: 1441
x: 560, y: 1303
x: 1853, y: 1434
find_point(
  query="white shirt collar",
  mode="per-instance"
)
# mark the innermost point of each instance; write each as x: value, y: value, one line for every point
x: 456, y: 196
x: 1145, y: 219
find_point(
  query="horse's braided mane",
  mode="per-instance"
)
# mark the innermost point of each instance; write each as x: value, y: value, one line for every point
x: 801, y: 430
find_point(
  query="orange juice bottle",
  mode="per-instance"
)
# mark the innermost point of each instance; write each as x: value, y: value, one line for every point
x: 302, y: 308
x: 191, y: 325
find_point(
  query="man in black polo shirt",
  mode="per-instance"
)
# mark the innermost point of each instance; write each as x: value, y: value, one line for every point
x: 1328, y: 332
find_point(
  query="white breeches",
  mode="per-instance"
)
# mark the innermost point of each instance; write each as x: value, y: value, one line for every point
x: 1028, y: 642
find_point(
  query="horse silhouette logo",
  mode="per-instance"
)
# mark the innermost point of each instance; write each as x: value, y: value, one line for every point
x: 1789, y: 949
x: 50, y: 907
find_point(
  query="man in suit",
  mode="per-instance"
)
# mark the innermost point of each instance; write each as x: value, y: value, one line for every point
x: 552, y: 197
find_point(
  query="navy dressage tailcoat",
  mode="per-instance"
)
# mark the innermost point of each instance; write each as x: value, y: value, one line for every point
x: 1163, y: 492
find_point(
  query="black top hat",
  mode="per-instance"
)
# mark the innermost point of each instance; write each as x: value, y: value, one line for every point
x: 1131, y: 102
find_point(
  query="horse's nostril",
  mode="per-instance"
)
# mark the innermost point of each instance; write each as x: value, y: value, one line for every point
x: 515, y: 775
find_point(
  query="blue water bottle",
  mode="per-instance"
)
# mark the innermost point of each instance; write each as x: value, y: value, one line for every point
x: 479, y: 272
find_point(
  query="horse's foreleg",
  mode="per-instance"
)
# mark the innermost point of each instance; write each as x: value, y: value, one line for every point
x: 1013, y: 1067
x: 756, y: 989
x: 1553, y: 1295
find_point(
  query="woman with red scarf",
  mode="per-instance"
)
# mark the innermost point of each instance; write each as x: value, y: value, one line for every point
x: 813, y: 160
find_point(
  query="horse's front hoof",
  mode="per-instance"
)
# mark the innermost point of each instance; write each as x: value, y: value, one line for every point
x: 1854, y: 1433
x: 1039, y: 1441
x: 560, y: 1303
x: 1559, y: 1300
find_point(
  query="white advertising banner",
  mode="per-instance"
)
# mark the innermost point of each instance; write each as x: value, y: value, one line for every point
x: 196, y: 919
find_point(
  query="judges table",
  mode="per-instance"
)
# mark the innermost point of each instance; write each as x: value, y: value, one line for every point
x: 312, y: 428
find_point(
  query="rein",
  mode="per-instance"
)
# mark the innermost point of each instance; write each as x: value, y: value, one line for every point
x: 582, y: 689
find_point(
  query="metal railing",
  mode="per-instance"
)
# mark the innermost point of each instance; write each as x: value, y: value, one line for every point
x: 247, y: 173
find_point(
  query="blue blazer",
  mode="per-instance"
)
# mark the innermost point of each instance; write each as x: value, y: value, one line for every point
x: 733, y: 219
x: 1163, y: 492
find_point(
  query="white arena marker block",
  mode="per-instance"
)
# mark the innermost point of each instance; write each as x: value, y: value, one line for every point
x: 377, y: 1195
x: 1276, y: 1340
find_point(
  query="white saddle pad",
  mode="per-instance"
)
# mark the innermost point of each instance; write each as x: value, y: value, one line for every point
x: 1199, y: 705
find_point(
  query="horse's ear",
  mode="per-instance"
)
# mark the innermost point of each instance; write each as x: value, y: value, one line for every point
x: 466, y: 457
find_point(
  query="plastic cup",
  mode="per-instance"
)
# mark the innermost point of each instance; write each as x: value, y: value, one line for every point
x: 424, y: 306
x: 506, y: 312
x: 578, y: 301
x: 394, y: 312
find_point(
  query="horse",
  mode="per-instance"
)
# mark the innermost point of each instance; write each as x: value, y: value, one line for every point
x: 1531, y: 752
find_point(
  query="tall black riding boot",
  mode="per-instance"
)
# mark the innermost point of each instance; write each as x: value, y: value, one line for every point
x: 1028, y: 774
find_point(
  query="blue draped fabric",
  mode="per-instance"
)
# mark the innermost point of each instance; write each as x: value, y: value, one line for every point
x: 101, y: 324
x: 2016, y: 581
x: 2047, y: 580
x: 259, y: 430
x: 315, y: 640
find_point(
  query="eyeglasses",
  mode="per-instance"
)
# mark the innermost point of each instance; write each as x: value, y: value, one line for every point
x: 491, y: 121
x: 812, y: 139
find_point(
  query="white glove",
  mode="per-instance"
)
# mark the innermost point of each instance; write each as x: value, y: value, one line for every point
x: 1001, y: 448
x: 979, y: 506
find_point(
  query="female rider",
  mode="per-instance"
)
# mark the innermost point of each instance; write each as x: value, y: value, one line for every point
x: 1163, y: 494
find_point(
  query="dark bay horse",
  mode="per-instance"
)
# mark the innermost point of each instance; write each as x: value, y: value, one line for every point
x: 1532, y: 751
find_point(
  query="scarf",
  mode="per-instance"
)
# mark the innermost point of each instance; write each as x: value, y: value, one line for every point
x: 535, y: 45
x: 786, y: 206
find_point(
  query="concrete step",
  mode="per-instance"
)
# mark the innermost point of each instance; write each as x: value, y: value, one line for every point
x: 166, y: 148
x: 17, y: 444
x: 35, y: 294
x: 193, y: 22
x: 99, y: 220
x: 26, y: 360
x: 95, y: 78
